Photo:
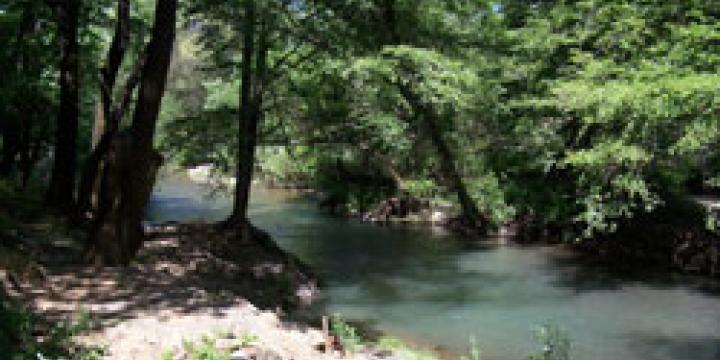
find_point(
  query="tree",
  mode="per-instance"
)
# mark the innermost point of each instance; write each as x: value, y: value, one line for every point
x: 18, y: 119
x: 107, y: 122
x: 276, y: 38
x: 618, y: 89
x: 132, y: 163
x: 565, y: 116
x: 62, y: 182
x: 418, y: 55
x: 250, y: 113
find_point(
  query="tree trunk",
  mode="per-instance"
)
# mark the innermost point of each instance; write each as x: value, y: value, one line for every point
x: 29, y: 69
x: 132, y: 163
x: 248, y: 128
x: 17, y: 124
x: 11, y: 146
x: 62, y: 181
x: 429, y: 119
x: 114, y: 60
x: 107, y: 122
x: 390, y: 17
x: 470, y: 212
x: 98, y: 125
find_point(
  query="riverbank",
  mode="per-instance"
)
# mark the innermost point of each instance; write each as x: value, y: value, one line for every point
x: 191, y: 291
x: 183, y: 286
x: 434, y: 287
x: 681, y: 236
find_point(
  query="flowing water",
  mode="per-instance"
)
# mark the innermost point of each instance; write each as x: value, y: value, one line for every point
x: 430, y: 286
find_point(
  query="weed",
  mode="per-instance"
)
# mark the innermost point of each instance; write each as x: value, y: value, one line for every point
x: 474, y: 351
x: 346, y: 334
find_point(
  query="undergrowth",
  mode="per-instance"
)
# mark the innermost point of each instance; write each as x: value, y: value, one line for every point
x: 24, y: 336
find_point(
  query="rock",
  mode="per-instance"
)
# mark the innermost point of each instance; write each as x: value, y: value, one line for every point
x: 438, y: 216
x: 269, y: 355
x: 242, y: 354
x: 382, y: 354
x: 263, y: 270
x: 247, y: 353
x: 226, y: 344
x: 307, y: 293
x: 252, y: 353
x: 200, y: 174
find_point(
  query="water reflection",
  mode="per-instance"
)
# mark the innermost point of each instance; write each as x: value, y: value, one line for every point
x: 427, y: 285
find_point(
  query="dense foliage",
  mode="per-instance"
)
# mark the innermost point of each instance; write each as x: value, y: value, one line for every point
x: 576, y: 114
x: 580, y: 118
x: 573, y: 113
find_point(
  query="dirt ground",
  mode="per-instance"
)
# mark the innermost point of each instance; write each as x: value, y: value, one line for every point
x: 178, y: 290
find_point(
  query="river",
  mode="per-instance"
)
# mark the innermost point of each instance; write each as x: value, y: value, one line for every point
x: 427, y: 285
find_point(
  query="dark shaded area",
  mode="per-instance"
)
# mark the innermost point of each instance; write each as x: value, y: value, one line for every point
x: 674, y: 237
x: 654, y: 347
x: 587, y: 273
x: 182, y: 270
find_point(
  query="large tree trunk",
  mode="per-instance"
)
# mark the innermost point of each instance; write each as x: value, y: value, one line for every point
x: 62, y: 181
x: 29, y: 69
x: 107, y: 121
x: 247, y: 132
x: 132, y: 164
x: 249, y: 125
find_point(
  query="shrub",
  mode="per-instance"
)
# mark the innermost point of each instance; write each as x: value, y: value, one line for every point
x: 17, y: 340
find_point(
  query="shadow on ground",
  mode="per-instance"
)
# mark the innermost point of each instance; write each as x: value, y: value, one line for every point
x: 184, y: 269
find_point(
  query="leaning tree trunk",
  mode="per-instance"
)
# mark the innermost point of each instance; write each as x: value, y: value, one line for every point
x: 89, y: 186
x: 132, y: 163
x: 470, y: 212
x: 429, y: 119
x: 115, y: 57
x: 62, y: 181
x: 107, y: 121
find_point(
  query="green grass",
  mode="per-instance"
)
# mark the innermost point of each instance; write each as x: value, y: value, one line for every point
x: 554, y: 343
x: 205, y: 348
x: 352, y: 342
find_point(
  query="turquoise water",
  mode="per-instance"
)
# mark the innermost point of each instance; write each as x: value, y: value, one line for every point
x: 429, y: 286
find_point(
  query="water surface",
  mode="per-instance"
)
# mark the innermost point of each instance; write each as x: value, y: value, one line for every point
x: 430, y: 286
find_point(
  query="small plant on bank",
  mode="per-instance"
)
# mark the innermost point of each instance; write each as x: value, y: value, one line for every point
x: 474, y: 351
x: 247, y: 339
x: 204, y: 350
x: 346, y: 334
x: 555, y: 344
